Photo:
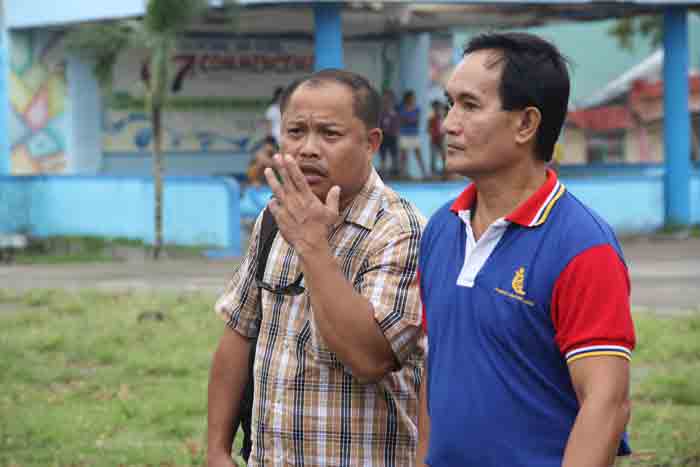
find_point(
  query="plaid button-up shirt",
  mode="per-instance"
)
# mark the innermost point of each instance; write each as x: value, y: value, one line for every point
x: 309, y: 410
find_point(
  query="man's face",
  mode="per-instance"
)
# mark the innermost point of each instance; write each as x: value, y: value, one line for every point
x: 479, y: 134
x: 330, y: 144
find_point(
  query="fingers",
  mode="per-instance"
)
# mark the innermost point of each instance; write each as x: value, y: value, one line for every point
x: 293, y: 180
x: 281, y: 173
x: 296, y: 176
x: 282, y: 217
x: 275, y: 185
x: 333, y: 200
x: 291, y: 188
x: 287, y: 196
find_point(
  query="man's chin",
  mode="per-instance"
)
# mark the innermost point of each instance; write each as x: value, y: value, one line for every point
x: 458, y: 167
x: 465, y: 170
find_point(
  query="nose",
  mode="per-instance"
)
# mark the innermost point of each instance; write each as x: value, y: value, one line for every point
x: 310, y: 146
x: 450, y: 124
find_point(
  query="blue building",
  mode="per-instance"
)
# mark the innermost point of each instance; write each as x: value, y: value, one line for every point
x: 57, y: 120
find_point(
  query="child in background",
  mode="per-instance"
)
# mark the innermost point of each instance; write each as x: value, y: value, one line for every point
x: 437, y: 148
x: 261, y: 161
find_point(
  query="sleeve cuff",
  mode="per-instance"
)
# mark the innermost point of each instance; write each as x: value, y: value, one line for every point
x: 598, y: 351
x: 237, y: 317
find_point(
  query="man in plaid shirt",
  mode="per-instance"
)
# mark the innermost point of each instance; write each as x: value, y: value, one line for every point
x: 340, y: 352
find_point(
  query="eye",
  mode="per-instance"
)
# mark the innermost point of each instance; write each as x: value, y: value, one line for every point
x: 294, y: 131
x: 332, y: 133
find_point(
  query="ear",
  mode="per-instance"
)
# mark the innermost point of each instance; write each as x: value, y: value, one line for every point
x: 527, y: 125
x: 374, y: 140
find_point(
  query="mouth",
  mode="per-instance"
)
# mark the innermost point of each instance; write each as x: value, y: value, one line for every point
x: 313, y: 174
x: 454, y: 147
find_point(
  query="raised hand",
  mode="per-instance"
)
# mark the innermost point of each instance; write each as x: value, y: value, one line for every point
x: 303, y: 220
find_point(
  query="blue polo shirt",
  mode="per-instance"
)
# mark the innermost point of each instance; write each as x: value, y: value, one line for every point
x: 506, y: 314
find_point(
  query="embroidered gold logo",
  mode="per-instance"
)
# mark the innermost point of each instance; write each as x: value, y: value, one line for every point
x: 519, y: 282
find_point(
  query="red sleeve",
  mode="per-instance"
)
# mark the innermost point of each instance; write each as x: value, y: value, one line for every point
x: 591, y: 306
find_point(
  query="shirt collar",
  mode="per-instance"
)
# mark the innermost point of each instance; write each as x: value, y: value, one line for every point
x: 532, y: 212
x: 364, y: 208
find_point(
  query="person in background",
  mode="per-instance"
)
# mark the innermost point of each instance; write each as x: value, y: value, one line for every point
x: 273, y: 117
x: 525, y: 291
x: 437, y: 149
x: 390, y: 125
x: 409, y: 139
x: 261, y: 160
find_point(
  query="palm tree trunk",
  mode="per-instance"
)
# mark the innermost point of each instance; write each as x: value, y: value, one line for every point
x: 156, y: 117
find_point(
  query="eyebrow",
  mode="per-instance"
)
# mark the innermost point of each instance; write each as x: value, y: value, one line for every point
x: 322, y: 124
x: 462, y: 96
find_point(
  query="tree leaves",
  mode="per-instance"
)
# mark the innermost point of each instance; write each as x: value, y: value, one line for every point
x: 101, y: 44
x: 628, y: 30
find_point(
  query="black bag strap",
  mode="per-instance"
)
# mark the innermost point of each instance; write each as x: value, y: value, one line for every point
x: 268, y: 231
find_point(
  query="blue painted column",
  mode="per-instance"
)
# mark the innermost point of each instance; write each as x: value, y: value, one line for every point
x: 5, y: 165
x: 328, y: 36
x: 84, y: 119
x: 676, y: 118
x: 414, y: 74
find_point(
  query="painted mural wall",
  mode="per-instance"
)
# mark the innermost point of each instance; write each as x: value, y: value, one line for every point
x: 221, y: 86
x: 37, y: 92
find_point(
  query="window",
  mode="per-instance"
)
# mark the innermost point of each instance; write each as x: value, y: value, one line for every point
x: 606, y: 147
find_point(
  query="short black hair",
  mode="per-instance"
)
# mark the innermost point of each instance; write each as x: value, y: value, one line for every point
x: 534, y: 74
x: 366, y: 100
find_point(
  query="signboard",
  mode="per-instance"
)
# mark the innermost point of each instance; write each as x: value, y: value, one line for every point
x: 220, y: 88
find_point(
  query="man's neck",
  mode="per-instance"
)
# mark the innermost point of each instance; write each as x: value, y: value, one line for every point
x: 349, y: 199
x: 498, y: 195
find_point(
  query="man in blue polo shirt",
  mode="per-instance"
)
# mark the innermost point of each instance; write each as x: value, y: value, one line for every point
x: 525, y: 290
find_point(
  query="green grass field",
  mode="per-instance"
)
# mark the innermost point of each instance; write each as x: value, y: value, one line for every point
x: 88, y: 249
x: 93, y: 379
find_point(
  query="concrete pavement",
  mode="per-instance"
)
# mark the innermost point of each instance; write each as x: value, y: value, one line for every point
x: 665, y: 274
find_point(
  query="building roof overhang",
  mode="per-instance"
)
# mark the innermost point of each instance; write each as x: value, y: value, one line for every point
x: 360, y: 18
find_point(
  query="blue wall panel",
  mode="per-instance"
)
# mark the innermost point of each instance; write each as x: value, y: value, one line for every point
x: 207, y: 210
x: 15, y: 203
x: 695, y: 199
x: 630, y: 204
x: 197, y: 210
